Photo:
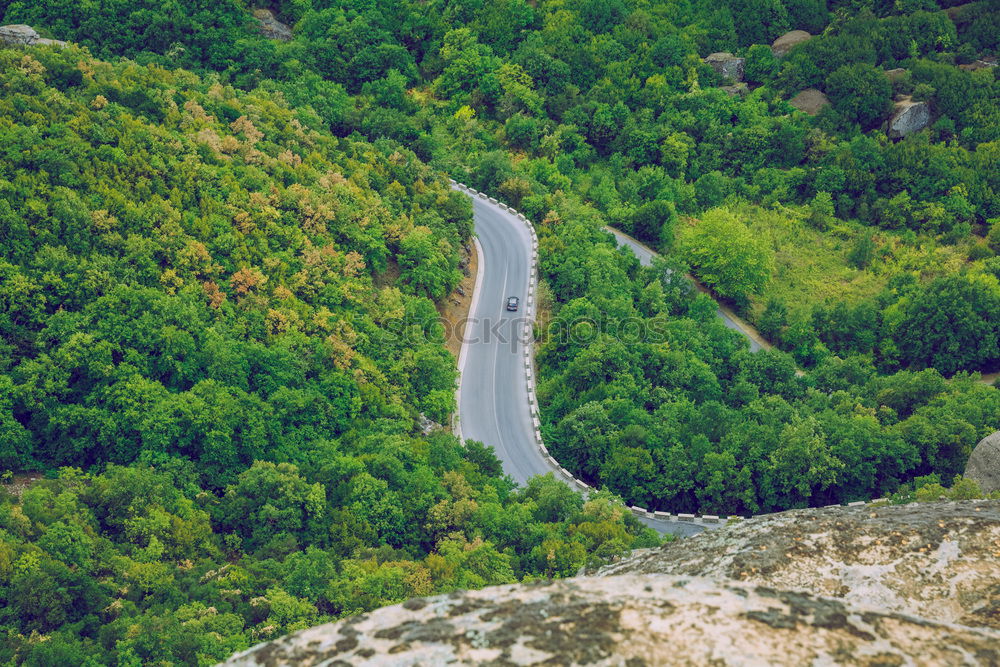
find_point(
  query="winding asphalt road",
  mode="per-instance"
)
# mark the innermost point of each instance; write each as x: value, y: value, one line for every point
x: 645, y: 255
x: 493, y: 395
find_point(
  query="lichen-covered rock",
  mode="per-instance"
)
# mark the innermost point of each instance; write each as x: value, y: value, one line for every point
x: 629, y: 620
x: 895, y: 74
x: 271, y: 27
x: 937, y: 560
x: 736, y: 90
x: 984, y: 464
x: 726, y: 64
x: 810, y: 101
x: 781, y: 46
x: 25, y: 35
x: 908, y: 117
x: 18, y: 35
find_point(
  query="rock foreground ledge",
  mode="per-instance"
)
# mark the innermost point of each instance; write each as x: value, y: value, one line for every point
x: 896, y: 585
x: 628, y: 620
x: 937, y: 560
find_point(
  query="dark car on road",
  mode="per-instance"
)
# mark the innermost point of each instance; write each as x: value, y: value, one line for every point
x: 512, y: 303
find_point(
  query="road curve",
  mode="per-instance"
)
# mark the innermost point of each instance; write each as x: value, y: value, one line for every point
x: 493, y: 394
x: 645, y: 254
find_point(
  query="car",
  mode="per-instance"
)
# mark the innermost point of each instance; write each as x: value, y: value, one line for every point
x: 512, y: 303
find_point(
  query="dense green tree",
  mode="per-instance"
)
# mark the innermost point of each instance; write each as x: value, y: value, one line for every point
x: 860, y: 93
x: 952, y: 324
x: 728, y: 257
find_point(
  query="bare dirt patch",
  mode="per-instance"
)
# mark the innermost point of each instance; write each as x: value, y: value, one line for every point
x: 454, y: 309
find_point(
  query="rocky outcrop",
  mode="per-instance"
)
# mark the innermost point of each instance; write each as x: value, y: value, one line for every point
x: 938, y: 560
x: 629, y: 620
x: 889, y: 585
x: 908, y: 117
x: 24, y: 35
x: 737, y: 90
x: 726, y: 64
x: 984, y: 464
x: 781, y: 46
x: 982, y: 63
x: 810, y: 101
x: 271, y: 27
x: 18, y: 35
x: 895, y: 74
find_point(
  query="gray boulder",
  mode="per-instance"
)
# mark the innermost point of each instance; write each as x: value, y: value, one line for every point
x: 784, y: 44
x: 737, y: 90
x: 271, y: 27
x: 984, y: 463
x: 726, y: 64
x: 908, y: 117
x: 895, y: 74
x: 810, y: 101
x: 25, y: 35
x: 18, y: 35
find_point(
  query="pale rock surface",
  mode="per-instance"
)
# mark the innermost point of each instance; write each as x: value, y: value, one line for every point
x: 628, y: 620
x: 938, y: 560
x: 895, y: 74
x: 726, y: 64
x: 984, y: 464
x: 781, y: 46
x: 271, y: 27
x: 737, y: 90
x: 24, y: 35
x: 18, y: 35
x: 810, y: 100
x: 908, y: 117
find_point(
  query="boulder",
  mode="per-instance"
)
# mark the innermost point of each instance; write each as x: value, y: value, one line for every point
x: 271, y: 27
x: 726, y: 64
x: 908, y: 117
x: 982, y: 63
x: 18, y: 35
x: 810, y: 101
x: 737, y: 90
x: 984, y: 463
x: 936, y: 560
x: 24, y: 35
x: 781, y: 46
x: 628, y: 620
x: 895, y: 74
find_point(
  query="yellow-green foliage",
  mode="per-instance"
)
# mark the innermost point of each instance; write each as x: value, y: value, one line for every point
x: 812, y: 266
x: 187, y: 268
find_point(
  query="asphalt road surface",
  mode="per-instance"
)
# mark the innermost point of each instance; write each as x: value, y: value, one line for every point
x: 646, y: 254
x: 493, y: 398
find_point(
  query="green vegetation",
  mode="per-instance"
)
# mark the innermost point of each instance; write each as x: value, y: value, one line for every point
x: 189, y: 271
x: 847, y: 290
x: 647, y: 393
x: 197, y: 309
x: 218, y: 287
x: 929, y: 488
x: 142, y: 565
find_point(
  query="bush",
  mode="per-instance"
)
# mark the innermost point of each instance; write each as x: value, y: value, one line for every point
x: 860, y: 93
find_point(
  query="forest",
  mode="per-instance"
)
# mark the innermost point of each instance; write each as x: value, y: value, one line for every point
x: 221, y: 256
